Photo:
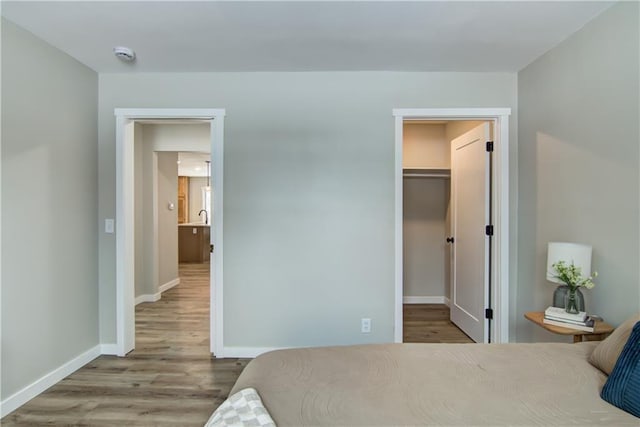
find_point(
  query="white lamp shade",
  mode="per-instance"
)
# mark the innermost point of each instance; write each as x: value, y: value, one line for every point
x: 571, y: 253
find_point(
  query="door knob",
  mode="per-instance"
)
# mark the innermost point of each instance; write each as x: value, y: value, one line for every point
x: 449, y: 239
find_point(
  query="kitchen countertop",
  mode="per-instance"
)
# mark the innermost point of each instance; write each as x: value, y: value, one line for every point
x: 194, y: 224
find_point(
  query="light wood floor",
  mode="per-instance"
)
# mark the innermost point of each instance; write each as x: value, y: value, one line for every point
x: 170, y: 378
x: 429, y: 323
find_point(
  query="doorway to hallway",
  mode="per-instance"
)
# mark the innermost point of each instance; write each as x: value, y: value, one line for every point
x: 126, y: 120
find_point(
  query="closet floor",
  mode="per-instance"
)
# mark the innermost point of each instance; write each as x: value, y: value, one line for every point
x: 429, y: 323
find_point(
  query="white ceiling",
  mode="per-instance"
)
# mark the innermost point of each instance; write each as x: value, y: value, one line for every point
x: 305, y: 35
x: 193, y: 164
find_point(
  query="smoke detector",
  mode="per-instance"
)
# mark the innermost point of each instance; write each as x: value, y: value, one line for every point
x: 124, y: 53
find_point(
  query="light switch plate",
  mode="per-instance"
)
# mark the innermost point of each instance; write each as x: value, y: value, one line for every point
x: 109, y: 225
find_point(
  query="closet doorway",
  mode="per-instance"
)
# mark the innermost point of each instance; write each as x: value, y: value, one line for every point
x: 451, y: 227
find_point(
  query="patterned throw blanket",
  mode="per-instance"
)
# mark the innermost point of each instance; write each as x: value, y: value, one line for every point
x: 243, y: 409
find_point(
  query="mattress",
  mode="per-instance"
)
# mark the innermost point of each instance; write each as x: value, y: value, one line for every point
x: 433, y: 384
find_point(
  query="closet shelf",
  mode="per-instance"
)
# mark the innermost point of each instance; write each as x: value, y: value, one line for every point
x: 426, y: 173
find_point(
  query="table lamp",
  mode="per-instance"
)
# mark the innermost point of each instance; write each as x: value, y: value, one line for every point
x: 571, y: 253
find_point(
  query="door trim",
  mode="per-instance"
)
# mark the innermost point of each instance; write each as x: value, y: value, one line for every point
x: 125, y: 301
x: 500, y: 250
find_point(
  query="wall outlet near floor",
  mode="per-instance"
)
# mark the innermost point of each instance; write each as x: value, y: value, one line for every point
x: 365, y: 325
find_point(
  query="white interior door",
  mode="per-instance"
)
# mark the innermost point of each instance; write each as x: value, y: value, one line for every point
x: 470, y: 195
x: 213, y: 299
x: 215, y: 200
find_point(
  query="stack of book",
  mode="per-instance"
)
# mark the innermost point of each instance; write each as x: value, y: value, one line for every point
x: 558, y: 316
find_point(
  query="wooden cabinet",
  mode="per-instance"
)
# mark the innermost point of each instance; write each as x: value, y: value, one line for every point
x: 193, y: 243
x: 183, y: 199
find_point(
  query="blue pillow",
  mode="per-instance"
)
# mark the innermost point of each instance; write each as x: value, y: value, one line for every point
x: 622, y: 388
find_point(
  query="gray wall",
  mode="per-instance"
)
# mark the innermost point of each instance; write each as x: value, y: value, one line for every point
x: 309, y: 191
x: 167, y: 219
x: 579, y: 161
x: 425, y: 202
x: 49, y: 209
x: 146, y: 239
x: 194, y: 136
x: 148, y: 221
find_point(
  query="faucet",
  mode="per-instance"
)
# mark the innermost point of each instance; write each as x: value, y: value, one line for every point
x: 206, y: 217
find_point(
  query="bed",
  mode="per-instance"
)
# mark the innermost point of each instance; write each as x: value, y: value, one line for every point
x: 433, y: 384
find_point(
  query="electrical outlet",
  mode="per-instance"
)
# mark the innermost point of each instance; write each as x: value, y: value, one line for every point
x: 365, y: 325
x: 109, y: 225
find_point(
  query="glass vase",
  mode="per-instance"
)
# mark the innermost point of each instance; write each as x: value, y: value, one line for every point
x: 560, y: 294
x: 571, y: 302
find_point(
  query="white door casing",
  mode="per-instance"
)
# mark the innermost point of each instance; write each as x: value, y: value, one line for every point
x: 500, y: 208
x: 125, y: 304
x: 470, y: 201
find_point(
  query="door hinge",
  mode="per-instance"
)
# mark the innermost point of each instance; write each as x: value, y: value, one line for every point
x: 489, y: 230
x: 488, y: 313
x: 490, y: 146
x: 211, y: 249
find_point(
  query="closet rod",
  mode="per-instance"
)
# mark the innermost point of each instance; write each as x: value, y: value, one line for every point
x: 425, y: 175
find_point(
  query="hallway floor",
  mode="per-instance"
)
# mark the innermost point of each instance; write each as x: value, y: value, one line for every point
x: 169, y: 379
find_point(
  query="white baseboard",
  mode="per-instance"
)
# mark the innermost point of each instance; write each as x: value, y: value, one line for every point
x: 170, y: 284
x: 147, y: 298
x: 447, y: 302
x: 156, y: 297
x: 425, y: 300
x: 109, y: 349
x: 21, y: 397
x: 247, y: 352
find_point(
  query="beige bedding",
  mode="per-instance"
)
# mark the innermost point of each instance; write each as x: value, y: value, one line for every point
x: 433, y: 384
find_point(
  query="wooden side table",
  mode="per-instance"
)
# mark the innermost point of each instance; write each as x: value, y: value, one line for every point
x: 600, y: 332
